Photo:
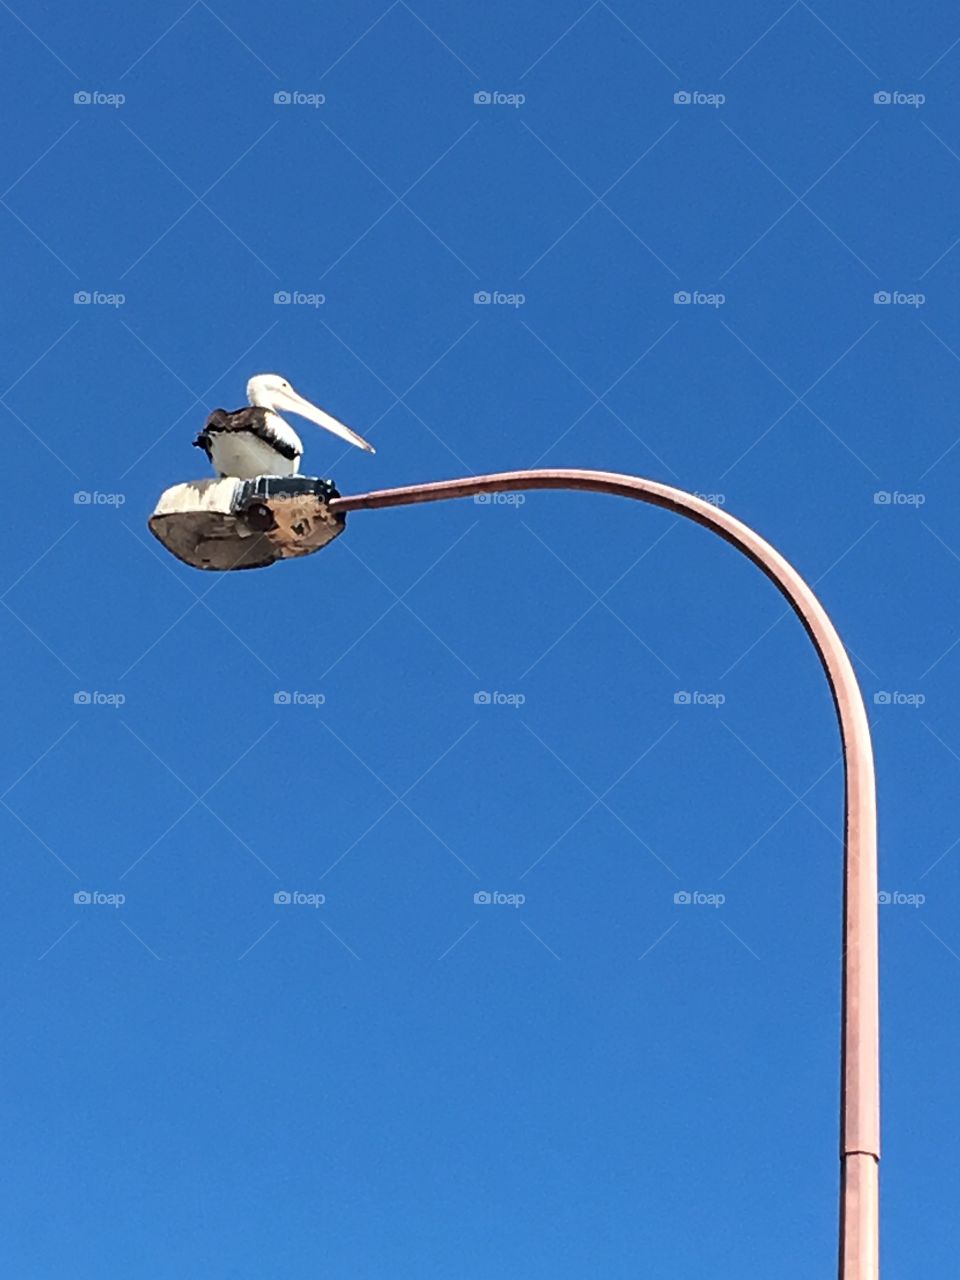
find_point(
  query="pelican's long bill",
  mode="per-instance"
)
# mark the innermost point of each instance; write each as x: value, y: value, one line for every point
x: 294, y: 402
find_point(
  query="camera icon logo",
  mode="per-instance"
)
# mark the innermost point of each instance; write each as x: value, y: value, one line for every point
x: 483, y: 98
x: 82, y: 98
x: 881, y: 699
x: 82, y: 498
x: 882, y: 99
x: 82, y: 898
x: 483, y: 898
x: 82, y: 298
x: 882, y: 498
x: 681, y: 698
x: 281, y: 698
x: 81, y: 698
x: 682, y: 298
x: 884, y: 898
x: 882, y: 298
x: 682, y: 898
x: 281, y: 298
x: 682, y: 98
x: 481, y: 698
x: 482, y: 298
x: 282, y: 98
x: 282, y: 898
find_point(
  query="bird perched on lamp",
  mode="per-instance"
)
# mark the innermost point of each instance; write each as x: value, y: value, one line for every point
x: 256, y: 440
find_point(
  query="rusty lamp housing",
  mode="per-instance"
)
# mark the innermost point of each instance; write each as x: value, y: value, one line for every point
x: 246, y: 524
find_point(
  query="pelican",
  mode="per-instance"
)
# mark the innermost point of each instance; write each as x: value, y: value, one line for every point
x: 257, y: 441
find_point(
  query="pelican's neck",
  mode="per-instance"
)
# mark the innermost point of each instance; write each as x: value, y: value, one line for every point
x: 260, y: 401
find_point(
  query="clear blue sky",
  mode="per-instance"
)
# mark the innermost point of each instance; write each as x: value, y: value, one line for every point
x: 402, y: 1082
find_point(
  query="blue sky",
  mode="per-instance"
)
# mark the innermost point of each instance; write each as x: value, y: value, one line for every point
x: 582, y: 1077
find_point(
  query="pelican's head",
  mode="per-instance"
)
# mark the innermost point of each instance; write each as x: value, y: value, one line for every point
x: 270, y: 391
x: 263, y: 389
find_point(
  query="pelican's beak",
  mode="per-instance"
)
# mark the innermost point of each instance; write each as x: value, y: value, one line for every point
x: 295, y: 403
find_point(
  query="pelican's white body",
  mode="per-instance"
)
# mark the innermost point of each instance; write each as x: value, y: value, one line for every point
x: 246, y: 456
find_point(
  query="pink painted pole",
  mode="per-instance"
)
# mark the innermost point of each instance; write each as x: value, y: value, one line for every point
x: 860, y: 1089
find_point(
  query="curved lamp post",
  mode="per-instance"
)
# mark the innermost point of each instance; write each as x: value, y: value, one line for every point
x: 859, y: 1097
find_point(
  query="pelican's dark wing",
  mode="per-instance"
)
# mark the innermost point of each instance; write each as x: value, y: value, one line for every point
x: 252, y: 421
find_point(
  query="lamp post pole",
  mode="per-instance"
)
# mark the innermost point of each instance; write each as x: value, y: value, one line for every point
x: 859, y: 1093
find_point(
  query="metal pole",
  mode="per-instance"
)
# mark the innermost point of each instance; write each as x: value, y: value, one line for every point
x: 860, y: 1090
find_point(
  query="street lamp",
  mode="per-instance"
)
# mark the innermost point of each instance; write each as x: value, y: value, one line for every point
x: 246, y: 517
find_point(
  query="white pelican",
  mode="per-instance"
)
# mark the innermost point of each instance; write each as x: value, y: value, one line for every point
x: 257, y: 441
